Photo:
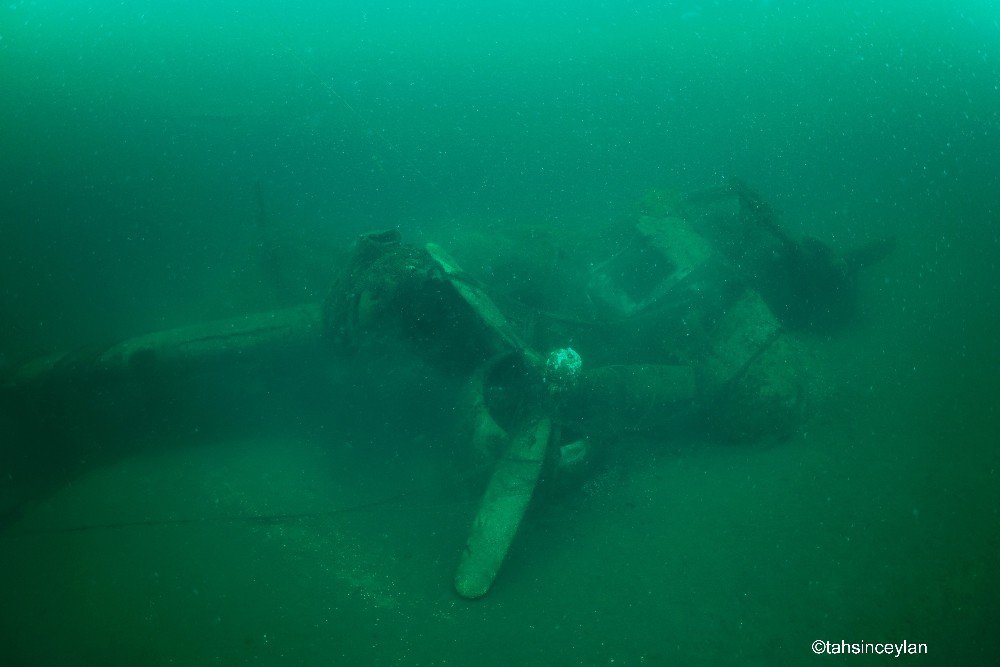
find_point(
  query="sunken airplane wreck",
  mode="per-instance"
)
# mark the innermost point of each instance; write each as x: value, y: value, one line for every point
x: 692, y: 323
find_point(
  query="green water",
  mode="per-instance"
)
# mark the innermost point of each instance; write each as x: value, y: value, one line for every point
x: 168, y: 163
